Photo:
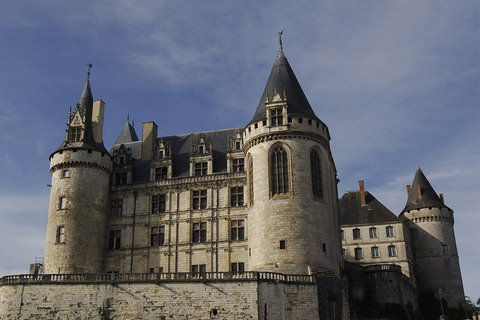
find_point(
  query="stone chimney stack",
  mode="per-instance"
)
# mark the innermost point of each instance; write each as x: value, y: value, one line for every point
x: 362, y: 193
x: 149, y: 137
x: 419, y: 189
x: 408, y: 189
x: 441, y: 197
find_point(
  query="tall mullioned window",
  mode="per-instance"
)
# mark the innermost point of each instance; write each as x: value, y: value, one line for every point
x: 199, y: 199
x: 238, y: 165
x: 199, y: 232
x: 158, y: 203
x: 76, y: 133
x: 157, y: 236
x: 236, y: 196
x: 161, y: 173
x: 276, y: 117
x: 316, y: 168
x: 116, y: 208
x: 114, y: 239
x: 279, y: 165
x: 237, y: 230
x: 250, y: 181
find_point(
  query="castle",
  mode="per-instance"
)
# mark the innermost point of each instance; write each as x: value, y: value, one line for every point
x: 243, y: 223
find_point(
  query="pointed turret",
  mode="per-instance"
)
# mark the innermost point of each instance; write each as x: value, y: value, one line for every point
x: 127, y: 135
x: 80, y: 132
x: 282, y: 80
x: 421, y: 194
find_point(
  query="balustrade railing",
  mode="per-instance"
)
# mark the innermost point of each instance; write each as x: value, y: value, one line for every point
x: 154, y: 277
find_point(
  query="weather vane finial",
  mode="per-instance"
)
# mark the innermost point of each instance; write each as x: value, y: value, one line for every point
x: 88, y: 73
x: 280, y: 39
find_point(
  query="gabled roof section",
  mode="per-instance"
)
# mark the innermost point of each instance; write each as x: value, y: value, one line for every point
x: 127, y: 134
x: 351, y: 211
x: 283, y: 80
x: 428, y: 197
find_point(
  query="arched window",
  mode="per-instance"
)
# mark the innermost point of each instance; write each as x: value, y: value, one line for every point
x: 250, y: 181
x: 279, y: 165
x: 316, y: 167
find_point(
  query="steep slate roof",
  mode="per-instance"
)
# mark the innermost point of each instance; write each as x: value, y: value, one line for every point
x: 429, y: 197
x: 352, y: 212
x: 282, y: 78
x: 181, y: 148
x: 127, y: 134
x: 85, y: 106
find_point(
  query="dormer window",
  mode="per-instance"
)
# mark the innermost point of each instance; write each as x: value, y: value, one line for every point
x: 201, y: 168
x: 276, y: 117
x: 201, y: 149
x: 160, y: 154
x: 238, y: 145
x: 76, y: 134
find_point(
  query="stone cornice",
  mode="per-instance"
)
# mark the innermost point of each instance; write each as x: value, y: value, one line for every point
x: 285, y: 135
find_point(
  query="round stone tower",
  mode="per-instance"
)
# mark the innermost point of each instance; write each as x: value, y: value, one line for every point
x: 292, y: 185
x: 433, y: 240
x: 77, y: 217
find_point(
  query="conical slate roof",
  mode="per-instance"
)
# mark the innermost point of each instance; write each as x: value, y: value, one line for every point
x: 428, y: 198
x: 127, y: 135
x: 85, y: 106
x: 283, y: 80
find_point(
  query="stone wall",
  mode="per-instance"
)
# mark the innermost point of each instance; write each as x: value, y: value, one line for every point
x: 161, y: 299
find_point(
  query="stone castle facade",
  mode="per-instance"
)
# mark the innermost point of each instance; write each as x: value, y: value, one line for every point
x: 249, y: 216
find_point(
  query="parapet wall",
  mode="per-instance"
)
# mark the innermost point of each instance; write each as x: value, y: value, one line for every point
x: 159, y: 296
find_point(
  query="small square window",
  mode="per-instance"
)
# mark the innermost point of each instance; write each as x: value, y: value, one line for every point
x: 256, y: 125
x: 310, y: 121
x: 300, y: 120
x: 65, y: 173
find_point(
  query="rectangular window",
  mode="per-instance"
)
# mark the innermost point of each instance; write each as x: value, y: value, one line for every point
x: 356, y: 233
x: 375, y: 252
x: 389, y: 231
x: 116, y: 208
x: 342, y: 235
x: 120, y: 178
x: 201, y: 149
x: 392, y: 251
x: 237, y: 145
x: 198, y: 270
x: 199, y: 199
x: 157, y: 236
x: 199, y: 232
x: 76, y: 133
x: 63, y: 203
x: 444, y: 249
x: 161, y: 173
x: 237, y: 230
x: 114, y: 239
x: 61, y: 234
x: 158, y: 204
x: 373, y: 233
x: 236, y: 196
x: 238, y: 267
x: 358, y: 253
x: 201, y: 168
x: 276, y: 117
x: 282, y: 244
x: 238, y: 165
x: 160, y: 154
x: 65, y: 173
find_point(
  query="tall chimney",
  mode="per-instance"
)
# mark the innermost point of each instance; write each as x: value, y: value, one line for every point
x: 441, y: 197
x: 362, y: 192
x: 408, y: 190
x: 419, y: 191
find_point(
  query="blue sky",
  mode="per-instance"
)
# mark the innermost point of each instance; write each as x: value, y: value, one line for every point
x: 396, y: 82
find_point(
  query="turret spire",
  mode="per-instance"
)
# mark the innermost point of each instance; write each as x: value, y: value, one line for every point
x: 280, y: 40
x: 421, y: 194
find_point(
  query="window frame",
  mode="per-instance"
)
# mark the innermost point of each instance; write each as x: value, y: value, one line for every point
x: 161, y: 173
x: 316, y: 173
x: 60, y: 234
x: 157, y: 236
x: 373, y: 232
x: 201, y: 168
x: 159, y: 203
x: 375, y: 252
x: 392, y: 251
x: 276, y: 117
x: 358, y: 253
x: 199, y: 199
x: 114, y: 239
x: 199, y: 232
x: 237, y: 230
x: 357, y: 234
x: 279, y: 170
x: 116, y: 208
x: 236, y: 196
x: 390, y: 231
x: 238, y: 164
x: 237, y: 267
